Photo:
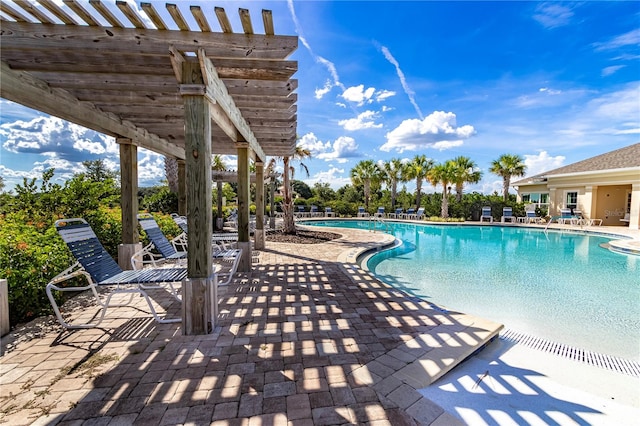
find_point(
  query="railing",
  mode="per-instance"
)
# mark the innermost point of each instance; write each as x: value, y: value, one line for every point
x: 375, y: 220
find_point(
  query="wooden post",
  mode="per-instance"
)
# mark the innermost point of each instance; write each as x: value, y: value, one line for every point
x: 197, y: 311
x: 272, y: 194
x: 259, y: 234
x: 5, y: 327
x: 128, y: 201
x: 243, y: 207
x: 182, y: 189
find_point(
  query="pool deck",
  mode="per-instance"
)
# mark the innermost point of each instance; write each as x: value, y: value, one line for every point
x: 306, y: 338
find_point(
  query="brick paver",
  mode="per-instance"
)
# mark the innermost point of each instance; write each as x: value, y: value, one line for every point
x: 306, y: 338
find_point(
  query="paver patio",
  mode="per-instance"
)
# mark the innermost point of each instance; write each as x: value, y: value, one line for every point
x: 306, y: 338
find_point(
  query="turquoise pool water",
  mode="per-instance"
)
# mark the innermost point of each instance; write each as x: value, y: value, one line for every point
x: 557, y: 285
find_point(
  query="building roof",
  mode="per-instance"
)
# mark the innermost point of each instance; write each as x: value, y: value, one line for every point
x: 622, y: 158
x: 106, y: 67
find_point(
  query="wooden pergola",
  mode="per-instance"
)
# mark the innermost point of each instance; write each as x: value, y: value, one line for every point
x: 185, y: 93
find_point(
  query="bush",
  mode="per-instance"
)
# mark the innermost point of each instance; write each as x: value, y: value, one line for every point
x: 30, y: 255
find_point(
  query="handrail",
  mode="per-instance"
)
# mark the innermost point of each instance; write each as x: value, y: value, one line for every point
x: 377, y: 219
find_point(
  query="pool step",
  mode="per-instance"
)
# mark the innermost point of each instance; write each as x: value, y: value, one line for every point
x: 445, y: 348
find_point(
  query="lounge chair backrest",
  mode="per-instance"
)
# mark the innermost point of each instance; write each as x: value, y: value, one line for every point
x: 87, y: 249
x: 565, y: 213
x: 507, y: 211
x: 360, y: 209
x: 153, y: 231
x: 381, y: 210
x: 181, y: 221
x: 314, y: 208
x: 411, y: 211
x: 398, y: 211
x: 327, y: 209
x: 301, y: 208
x: 420, y: 212
x: 530, y: 213
x: 486, y: 211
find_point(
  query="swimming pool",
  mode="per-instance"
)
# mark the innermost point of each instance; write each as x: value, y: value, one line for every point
x: 561, y: 286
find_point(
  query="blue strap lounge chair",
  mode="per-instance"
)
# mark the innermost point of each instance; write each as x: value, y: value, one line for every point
x: 397, y: 214
x: 168, y: 250
x: 507, y: 215
x: 565, y: 216
x: 417, y: 215
x: 98, y: 267
x: 486, y: 214
x: 362, y: 212
x: 410, y: 213
x: 328, y: 212
x: 380, y: 212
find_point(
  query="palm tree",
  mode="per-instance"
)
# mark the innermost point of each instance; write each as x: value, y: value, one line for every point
x: 508, y: 165
x: 443, y: 174
x: 171, y: 172
x: 466, y: 172
x: 418, y: 169
x: 366, y: 173
x: 218, y: 165
x: 288, y: 173
x: 394, y: 170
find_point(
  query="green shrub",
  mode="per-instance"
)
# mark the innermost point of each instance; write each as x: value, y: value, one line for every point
x: 31, y: 254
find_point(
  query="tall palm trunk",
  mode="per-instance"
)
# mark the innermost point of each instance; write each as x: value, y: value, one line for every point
x: 367, y: 193
x: 287, y: 202
x: 444, y: 209
x: 506, y: 182
x: 418, y: 193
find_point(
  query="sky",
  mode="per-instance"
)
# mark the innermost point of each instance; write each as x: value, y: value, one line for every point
x: 553, y: 82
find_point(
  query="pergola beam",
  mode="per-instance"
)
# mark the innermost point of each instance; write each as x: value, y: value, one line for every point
x: 23, y: 88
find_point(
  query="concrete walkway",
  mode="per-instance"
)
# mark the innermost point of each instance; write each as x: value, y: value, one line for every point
x: 306, y: 338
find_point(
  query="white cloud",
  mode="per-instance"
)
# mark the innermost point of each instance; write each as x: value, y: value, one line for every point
x: 542, y: 162
x: 386, y: 108
x: 384, y: 94
x: 319, y: 93
x: 618, y: 107
x: 552, y: 15
x: 632, y: 38
x: 611, y: 70
x: 405, y: 86
x: 328, y: 64
x: 343, y: 148
x: 334, y: 177
x: 150, y: 167
x: 313, y: 144
x: 358, y: 94
x: 341, y: 105
x: 364, y: 120
x: 438, y: 130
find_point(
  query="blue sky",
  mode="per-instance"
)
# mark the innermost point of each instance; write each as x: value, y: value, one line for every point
x: 554, y: 82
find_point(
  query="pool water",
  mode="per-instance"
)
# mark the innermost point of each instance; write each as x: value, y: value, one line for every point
x: 561, y: 286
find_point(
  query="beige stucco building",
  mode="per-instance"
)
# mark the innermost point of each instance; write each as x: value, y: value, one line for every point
x: 604, y: 187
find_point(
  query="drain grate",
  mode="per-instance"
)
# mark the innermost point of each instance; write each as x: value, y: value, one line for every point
x: 630, y: 368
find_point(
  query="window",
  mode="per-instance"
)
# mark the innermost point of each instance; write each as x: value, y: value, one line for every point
x: 537, y: 198
x: 571, y: 201
x: 628, y: 202
x: 544, y: 198
x: 526, y: 198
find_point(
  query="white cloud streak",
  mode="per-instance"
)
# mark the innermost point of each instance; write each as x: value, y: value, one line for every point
x: 551, y: 15
x: 364, y: 120
x: 328, y: 64
x: 405, y: 86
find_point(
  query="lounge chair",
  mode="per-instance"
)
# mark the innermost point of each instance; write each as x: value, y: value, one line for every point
x: 531, y: 217
x: 410, y: 212
x: 417, y: 215
x: 98, y: 267
x: 397, y: 214
x: 565, y: 216
x: 362, y: 212
x: 328, y: 212
x: 168, y: 250
x: 507, y: 215
x: 380, y: 212
x: 315, y: 212
x: 626, y: 220
x: 486, y: 214
x: 181, y: 221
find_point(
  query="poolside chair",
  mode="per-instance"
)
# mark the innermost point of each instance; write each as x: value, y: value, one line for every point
x: 328, y: 212
x: 380, y: 212
x: 626, y: 220
x: 531, y: 217
x: 314, y: 212
x: 396, y: 214
x: 181, y: 221
x: 565, y: 216
x: 486, y: 214
x: 100, y: 270
x: 409, y: 214
x: 507, y: 215
x: 417, y: 215
x: 168, y: 250
x: 362, y: 212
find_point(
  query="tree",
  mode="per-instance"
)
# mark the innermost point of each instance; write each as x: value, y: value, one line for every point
x: 301, y: 188
x: 394, y: 170
x: 1, y: 184
x: 218, y: 165
x: 506, y: 166
x: 96, y: 171
x: 323, y: 191
x: 171, y: 173
x: 418, y: 169
x: 443, y: 174
x: 288, y: 173
x: 366, y: 173
x: 466, y: 172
